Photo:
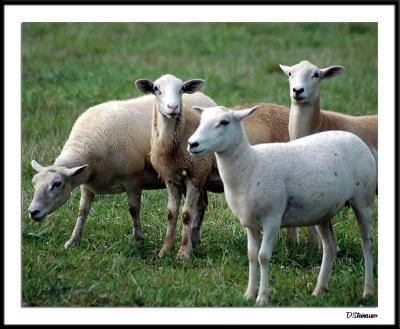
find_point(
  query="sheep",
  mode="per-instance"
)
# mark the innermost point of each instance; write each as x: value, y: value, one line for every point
x: 183, y: 174
x: 107, y: 152
x: 171, y: 127
x: 306, y: 117
x: 299, y: 183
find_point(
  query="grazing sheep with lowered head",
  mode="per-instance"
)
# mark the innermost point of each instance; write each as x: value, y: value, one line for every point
x: 107, y: 152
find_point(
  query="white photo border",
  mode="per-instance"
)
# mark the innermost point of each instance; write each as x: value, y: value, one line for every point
x: 16, y: 15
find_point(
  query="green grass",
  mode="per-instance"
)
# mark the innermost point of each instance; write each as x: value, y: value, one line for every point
x: 70, y: 67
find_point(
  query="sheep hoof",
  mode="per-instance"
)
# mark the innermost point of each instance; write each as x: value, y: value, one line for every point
x: 368, y: 293
x: 312, y: 245
x: 71, y: 243
x: 139, y: 237
x: 163, y: 252
x: 291, y: 241
x: 183, y: 255
x: 262, y: 299
x: 250, y: 295
x: 196, y: 239
x: 320, y: 291
x: 139, y: 243
x: 196, y: 242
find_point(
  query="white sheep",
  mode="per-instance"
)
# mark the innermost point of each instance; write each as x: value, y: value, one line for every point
x: 107, y: 152
x: 299, y: 183
x: 307, y: 118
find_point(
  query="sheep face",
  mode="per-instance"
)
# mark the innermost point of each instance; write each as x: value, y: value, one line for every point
x: 53, y: 186
x: 304, y: 79
x: 217, y: 131
x: 168, y: 91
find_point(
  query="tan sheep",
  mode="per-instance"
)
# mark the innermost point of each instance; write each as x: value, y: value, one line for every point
x: 172, y: 124
x: 107, y: 152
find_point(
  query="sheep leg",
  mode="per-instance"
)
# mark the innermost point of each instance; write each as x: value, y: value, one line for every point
x: 328, y: 256
x: 253, y: 246
x: 201, y: 209
x: 314, y: 240
x: 333, y: 236
x: 174, y: 200
x: 189, y: 212
x: 134, y: 210
x: 270, y: 235
x: 84, y: 207
x: 364, y: 220
x: 292, y: 235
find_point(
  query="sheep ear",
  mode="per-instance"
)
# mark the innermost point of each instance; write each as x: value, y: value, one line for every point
x: 145, y: 86
x: 36, y: 166
x: 285, y: 69
x: 73, y: 172
x: 332, y: 71
x: 198, y: 109
x: 241, y: 114
x: 191, y: 86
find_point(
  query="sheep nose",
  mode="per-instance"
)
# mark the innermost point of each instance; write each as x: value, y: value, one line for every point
x: 172, y: 107
x: 193, y: 145
x: 298, y: 91
x: 33, y: 213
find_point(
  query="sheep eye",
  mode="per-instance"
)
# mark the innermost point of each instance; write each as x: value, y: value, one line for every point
x: 290, y: 74
x: 316, y: 75
x: 182, y: 89
x: 57, y: 184
x: 224, y: 123
x: 156, y: 90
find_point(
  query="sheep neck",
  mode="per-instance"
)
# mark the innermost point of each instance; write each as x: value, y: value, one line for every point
x: 65, y: 160
x: 164, y: 129
x: 304, y: 119
x: 237, y: 162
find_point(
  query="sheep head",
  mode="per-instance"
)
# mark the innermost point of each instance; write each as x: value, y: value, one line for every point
x: 168, y: 91
x: 218, y: 129
x: 53, y: 186
x: 304, y: 79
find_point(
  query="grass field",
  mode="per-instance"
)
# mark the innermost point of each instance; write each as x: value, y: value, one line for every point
x: 70, y: 67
